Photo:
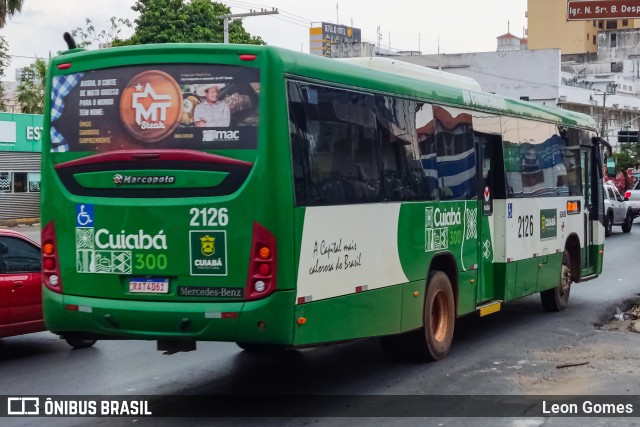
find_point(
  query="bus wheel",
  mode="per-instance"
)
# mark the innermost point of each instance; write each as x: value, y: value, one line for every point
x: 79, y: 342
x: 433, y: 340
x: 628, y: 222
x: 556, y: 299
x: 439, y: 316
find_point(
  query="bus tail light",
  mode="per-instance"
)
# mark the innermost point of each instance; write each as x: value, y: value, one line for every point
x: 50, y: 264
x: 261, y: 280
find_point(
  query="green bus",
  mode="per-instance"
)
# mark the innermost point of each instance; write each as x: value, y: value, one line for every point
x: 275, y: 199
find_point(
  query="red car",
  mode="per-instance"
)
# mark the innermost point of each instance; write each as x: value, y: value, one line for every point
x: 21, y: 288
x: 20, y: 285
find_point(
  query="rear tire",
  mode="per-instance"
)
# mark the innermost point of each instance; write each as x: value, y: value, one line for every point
x: 608, y: 225
x: 433, y: 340
x: 628, y: 223
x: 79, y: 342
x: 556, y: 299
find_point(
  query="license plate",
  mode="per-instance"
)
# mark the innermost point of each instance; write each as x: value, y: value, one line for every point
x: 148, y: 286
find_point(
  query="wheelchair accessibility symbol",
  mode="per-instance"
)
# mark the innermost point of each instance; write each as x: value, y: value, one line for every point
x: 84, y: 215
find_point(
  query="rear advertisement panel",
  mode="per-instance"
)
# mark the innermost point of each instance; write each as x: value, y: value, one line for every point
x: 178, y: 106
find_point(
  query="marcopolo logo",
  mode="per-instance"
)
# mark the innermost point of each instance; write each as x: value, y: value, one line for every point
x: 119, y: 180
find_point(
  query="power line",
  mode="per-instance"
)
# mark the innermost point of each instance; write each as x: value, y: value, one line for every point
x: 288, y: 19
x: 284, y: 12
x: 22, y: 56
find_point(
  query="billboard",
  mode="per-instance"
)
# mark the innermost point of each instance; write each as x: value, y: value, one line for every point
x: 21, y: 132
x: 585, y: 10
x: 321, y: 38
x: 179, y: 106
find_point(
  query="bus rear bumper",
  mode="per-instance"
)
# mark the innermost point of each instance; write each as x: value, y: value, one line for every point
x: 269, y: 320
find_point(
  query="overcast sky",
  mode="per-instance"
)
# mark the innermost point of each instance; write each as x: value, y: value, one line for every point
x: 459, y: 25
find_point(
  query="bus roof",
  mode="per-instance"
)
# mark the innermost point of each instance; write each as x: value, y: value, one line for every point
x: 407, y: 83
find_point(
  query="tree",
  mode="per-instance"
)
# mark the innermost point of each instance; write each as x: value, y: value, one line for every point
x: 31, y: 88
x: 8, y: 8
x: 85, y: 37
x: 4, y: 63
x: 178, y: 21
x: 628, y: 155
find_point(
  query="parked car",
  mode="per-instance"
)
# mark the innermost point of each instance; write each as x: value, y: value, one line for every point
x: 20, y: 285
x: 633, y: 196
x: 21, y: 288
x: 617, y: 211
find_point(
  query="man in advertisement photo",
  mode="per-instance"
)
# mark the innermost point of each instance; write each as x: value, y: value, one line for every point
x: 211, y: 112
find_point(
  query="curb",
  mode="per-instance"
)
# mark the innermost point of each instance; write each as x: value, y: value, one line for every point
x: 19, y: 221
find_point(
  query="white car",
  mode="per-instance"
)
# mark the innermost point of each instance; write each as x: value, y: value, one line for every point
x: 617, y: 211
x: 633, y: 197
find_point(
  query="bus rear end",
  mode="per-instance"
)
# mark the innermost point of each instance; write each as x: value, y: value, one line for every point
x: 156, y: 222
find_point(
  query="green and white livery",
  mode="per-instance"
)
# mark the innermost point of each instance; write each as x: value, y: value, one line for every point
x: 341, y: 200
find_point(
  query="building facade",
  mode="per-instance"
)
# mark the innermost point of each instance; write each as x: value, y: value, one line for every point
x: 20, y: 146
x: 548, y: 28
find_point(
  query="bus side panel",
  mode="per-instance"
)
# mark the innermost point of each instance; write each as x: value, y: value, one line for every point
x: 526, y: 277
x: 505, y: 277
x: 267, y: 320
x: 467, y: 292
x: 348, y: 317
x: 548, y: 276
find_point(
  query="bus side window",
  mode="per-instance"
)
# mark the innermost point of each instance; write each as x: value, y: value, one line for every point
x: 402, y: 173
x: 455, y: 154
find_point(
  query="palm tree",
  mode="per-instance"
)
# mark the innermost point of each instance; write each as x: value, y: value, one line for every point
x: 7, y: 9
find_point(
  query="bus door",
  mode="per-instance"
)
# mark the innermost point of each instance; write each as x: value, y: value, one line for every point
x: 588, y: 210
x: 488, y: 137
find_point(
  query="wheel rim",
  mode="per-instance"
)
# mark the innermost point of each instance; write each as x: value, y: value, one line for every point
x: 565, y: 280
x: 440, y: 316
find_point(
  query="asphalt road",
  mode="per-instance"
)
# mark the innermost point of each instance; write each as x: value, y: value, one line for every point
x: 514, y: 352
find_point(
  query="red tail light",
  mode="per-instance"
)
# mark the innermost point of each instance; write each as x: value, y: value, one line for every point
x: 50, y: 265
x: 627, y: 194
x: 261, y: 280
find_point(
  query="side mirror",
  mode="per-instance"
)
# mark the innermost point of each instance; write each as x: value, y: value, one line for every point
x: 3, y: 248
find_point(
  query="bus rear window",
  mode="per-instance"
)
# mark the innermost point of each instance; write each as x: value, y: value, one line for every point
x: 177, y: 106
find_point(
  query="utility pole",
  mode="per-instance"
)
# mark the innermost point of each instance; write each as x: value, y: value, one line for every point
x: 273, y: 11
x: 603, y: 124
